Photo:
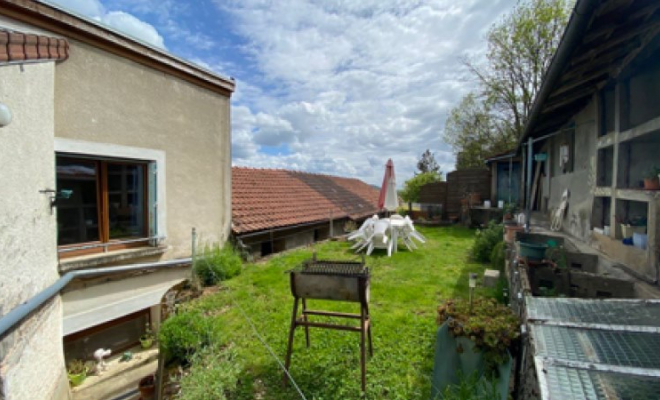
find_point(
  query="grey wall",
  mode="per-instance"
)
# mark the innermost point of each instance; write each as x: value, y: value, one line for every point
x: 582, y: 181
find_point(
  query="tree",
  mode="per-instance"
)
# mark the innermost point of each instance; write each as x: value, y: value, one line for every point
x: 520, y: 50
x: 427, y: 163
x: 473, y: 135
x: 411, y: 187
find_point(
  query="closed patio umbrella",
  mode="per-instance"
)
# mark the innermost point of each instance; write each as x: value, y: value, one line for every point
x: 388, y: 198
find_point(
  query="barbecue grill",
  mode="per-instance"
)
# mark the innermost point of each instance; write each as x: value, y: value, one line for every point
x: 331, y: 280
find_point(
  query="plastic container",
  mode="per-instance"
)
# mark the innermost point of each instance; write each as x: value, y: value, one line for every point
x: 629, y: 230
x: 640, y: 240
x: 532, y: 251
x: 487, y: 204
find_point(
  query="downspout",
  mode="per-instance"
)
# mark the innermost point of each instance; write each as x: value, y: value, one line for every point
x: 15, y: 316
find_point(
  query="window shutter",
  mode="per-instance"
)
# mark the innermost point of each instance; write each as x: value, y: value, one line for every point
x: 153, y: 202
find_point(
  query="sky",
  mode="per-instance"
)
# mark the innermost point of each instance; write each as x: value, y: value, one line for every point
x: 328, y: 86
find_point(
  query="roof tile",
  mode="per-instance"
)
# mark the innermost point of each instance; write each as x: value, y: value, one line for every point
x: 269, y: 198
x: 17, y: 47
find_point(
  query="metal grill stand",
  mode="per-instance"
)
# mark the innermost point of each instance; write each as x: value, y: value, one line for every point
x: 331, y: 280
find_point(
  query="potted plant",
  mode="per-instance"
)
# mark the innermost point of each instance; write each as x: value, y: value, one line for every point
x: 481, y: 332
x: 556, y: 257
x: 652, y: 179
x: 77, y: 372
x: 147, y: 339
x: 147, y: 387
x: 510, y: 210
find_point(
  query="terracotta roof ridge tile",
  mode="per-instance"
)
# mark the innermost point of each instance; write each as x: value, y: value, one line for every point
x: 17, y: 47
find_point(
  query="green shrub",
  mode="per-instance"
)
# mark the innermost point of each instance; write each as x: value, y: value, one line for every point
x: 350, y: 226
x: 486, y: 241
x: 183, y: 334
x: 214, y: 375
x: 498, y: 257
x: 217, y: 264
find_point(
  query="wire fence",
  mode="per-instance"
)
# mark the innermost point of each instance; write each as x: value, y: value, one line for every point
x: 268, y: 348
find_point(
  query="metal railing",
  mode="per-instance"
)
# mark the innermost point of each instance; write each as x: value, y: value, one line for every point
x: 18, y: 314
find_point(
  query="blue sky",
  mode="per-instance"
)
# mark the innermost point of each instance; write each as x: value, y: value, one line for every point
x: 333, y: 86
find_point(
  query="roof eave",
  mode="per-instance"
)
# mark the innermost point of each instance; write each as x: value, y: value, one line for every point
x: 578, y: 23
x: 63, y: 22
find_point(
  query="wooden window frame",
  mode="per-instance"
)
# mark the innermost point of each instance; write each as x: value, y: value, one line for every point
x: 102, y: 210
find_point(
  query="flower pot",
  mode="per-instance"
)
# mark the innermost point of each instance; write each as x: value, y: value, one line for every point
x: 627, y: 231
x: 449, y: 366
x: 147, y: 387
x: 510, y: 232
x: 77, y: 379
x: 475, y: 199
x: 146, y: 342
x: 652, y: 184
x: 532, y: 251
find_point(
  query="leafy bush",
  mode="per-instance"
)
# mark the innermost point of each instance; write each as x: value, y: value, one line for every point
x: 183, y: 334
x: 350, y: 226
x: 217, y: 264
x: 491, y: 326
x: 214, y: 375
x: 486, y: 241
x: 498, y: 257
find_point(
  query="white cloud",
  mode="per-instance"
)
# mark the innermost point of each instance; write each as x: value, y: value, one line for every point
x: 89, y: 8
x: 119, y: 20
x: 170, y: 16
x: 347, y: 85
x: 134, y: 27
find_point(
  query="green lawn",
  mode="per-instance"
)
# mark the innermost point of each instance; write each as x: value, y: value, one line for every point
x: 405, y: 292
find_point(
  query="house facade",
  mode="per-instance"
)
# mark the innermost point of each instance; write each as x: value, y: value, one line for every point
x: 275, y: 210
x: 597, y: 121
x: 115, y: 151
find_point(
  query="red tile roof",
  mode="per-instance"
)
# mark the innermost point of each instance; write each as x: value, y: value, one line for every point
x: 274, y: 198
x: 17, y: 47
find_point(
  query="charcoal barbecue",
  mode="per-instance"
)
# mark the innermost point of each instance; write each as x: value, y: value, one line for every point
x: 331, y: 280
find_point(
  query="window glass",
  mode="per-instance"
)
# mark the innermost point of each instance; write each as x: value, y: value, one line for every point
x: 77, y: 216
x: 126, y: 200
x: 108, y: 201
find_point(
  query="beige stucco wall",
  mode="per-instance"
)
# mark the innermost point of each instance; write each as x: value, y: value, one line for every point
x: 100, y: 97
x: 31, y: 360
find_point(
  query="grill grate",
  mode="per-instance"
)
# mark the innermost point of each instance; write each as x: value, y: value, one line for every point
x: 334, y: 268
